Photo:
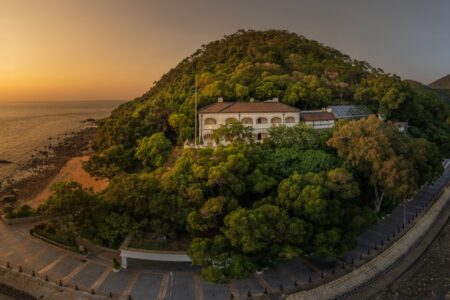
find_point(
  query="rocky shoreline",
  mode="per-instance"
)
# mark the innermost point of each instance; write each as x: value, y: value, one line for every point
x: 45, y: 163
x: 429, y: 277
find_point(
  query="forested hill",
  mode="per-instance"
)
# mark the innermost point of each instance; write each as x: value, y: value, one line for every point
x: 443, y: 94
x: 267, y: 64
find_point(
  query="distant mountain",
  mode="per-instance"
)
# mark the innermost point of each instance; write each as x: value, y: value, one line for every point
x: 441, y: 84
x: 442, y: 94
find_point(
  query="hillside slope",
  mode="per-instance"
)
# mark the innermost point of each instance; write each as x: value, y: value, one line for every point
x: 427, y: 90
x: 263, y: 65
x: 442, y: 83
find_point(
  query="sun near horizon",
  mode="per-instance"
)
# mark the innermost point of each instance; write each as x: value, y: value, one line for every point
x: 55, y: 50
x: 109, y: 49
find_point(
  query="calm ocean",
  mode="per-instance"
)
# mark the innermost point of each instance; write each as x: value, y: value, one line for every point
x: 27, y: 126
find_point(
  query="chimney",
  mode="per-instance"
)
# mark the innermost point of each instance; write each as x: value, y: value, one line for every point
x: 220, y: 100
x: 252, y: 99
x: 275, y: 100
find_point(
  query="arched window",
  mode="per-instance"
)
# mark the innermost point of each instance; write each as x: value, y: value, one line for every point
x: 290, y: 120
x: 276, y: 120
x: 210, y: 121
x: 208, y: 137
x: 261, y: 121
x: 247, y: 121
x: 230, y: 120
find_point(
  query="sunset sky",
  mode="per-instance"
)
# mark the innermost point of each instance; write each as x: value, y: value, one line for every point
x: 111, y: 49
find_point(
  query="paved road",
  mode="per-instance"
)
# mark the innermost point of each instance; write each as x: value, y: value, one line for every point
x: 180, y: 281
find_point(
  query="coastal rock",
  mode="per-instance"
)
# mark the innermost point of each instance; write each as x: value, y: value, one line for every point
x: 4, y: 161
x: 89, y: 120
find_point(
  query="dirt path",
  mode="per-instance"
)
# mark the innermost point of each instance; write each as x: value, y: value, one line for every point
x: 72, y: 171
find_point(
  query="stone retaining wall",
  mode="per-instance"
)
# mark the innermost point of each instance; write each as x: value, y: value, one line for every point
x: 95, y: 249
x: 155, y: 255
x: 41, y: 289
x: 47, y: 240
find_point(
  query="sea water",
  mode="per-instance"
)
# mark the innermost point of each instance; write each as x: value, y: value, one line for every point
x: 27, y: 126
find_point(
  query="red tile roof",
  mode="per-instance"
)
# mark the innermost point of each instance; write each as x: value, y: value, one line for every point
x: 317, y: 116
x: 248, y: 107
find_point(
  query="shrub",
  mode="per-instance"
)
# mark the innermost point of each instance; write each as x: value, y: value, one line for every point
x: 57, y: 232
x: 20, y: 212
x: 8, y: 209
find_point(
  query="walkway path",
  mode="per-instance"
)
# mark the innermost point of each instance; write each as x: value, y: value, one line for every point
x: 173, y: 281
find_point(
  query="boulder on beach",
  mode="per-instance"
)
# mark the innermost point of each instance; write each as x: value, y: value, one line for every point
x: 89, y: 120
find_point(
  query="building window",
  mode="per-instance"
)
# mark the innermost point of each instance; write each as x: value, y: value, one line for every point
x: 230, y: 121
x: 207, y: 137
x: 290, y: 120
x: 210, y: 121
x: 247, y: 121
x: 261, y: 121
x: 276, y: 121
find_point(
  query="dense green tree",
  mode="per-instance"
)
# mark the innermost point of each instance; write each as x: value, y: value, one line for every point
x: 316, y: 197
x: 256, y: 230
x: 388, y: 92
x: 112, y: 161
x: 219, y: 260
x: 69, y: 199
x: 154, y: 150
x: 235, y: 133
x: 182, y: 124
x: 425, y: 157
x: 113, y: 229
x: 374, y: 148
x: 299, y: 137
x: 331, y: 243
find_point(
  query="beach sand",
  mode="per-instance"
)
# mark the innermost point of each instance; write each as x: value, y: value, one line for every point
x: 71, y: 171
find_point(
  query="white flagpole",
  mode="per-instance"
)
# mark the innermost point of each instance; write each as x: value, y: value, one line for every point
x: 195, y: 133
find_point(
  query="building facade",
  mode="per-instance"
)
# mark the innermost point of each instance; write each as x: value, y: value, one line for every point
x: 259, y: 115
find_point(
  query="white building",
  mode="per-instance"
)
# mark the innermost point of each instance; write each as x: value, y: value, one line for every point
x: 401, y: 126
x: 263, y: 115
x: 318, y: 119
x: 259, y: 115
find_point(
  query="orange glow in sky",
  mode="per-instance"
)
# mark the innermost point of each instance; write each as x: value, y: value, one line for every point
x: 55, y: 50
x: 116, y: 49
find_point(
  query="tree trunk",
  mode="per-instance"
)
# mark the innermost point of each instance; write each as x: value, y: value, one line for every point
x: 378, y: 199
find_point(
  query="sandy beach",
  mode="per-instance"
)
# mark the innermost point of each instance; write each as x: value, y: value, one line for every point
x: 71, y: 171
x: 61, y: 163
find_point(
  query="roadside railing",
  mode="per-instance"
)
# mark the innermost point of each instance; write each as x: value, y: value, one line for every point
x: 58, y: 283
